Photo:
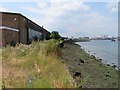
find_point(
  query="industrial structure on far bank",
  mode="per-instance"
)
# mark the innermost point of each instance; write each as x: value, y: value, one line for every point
x: 14, y: 27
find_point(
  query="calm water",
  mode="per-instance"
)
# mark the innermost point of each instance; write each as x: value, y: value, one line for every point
x: 104, y: 49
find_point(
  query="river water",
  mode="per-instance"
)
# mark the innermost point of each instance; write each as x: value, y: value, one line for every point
x: 105, y: 49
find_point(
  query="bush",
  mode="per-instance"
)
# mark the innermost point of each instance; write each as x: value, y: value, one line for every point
x: 55, y: 35
x: 13, y: 43
x: 35, y: 38
x: 51, y: 47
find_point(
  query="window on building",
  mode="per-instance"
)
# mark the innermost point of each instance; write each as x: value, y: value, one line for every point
x: 34, y: 35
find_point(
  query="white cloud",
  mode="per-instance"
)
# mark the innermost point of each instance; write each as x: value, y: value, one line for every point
x: 42, y: 5
x: 31, y: 9
x: 89, y: 24
x: 59, y: 0
x: 2, y: 9
x: 74, y: 19
x: 59, y: 7
x: 53, y: 10
x: 112, y: 6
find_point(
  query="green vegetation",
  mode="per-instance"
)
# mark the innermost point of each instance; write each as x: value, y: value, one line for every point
x: 35, y: 66
x: 55, y: 35
x: 39, y: 65
x: 83, y: 82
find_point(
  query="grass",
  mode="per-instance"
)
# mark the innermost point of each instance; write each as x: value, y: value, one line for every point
x: 0, y: 68
x: 98, y: 72
x: 35, y: 66
x: 83, y: 81
x: 94, y: 73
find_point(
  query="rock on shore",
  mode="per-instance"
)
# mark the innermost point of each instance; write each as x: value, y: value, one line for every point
x: 88, y: 71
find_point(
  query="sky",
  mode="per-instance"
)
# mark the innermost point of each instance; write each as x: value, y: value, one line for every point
x: 70, y: 19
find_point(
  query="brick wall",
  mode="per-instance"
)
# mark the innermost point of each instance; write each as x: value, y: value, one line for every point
x: 0, y: 38
x: 0, y: 30
x: 18, y: 21
x: 8, y: 36
x: 10, y: 20
x: 23, y: 29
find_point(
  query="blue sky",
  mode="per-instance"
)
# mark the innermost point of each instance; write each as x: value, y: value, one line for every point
x: 70, y: 18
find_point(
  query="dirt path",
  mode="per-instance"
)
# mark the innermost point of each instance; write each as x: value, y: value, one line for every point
x: 90, y: 70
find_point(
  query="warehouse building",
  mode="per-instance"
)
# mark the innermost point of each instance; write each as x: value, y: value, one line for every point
x: 19, y: 29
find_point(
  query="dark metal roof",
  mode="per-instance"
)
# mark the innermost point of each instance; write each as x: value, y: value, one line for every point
x: 24, y: 17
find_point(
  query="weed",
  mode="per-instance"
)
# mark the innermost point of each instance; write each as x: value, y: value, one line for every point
x: 82, y: 82
x: 35, y: 66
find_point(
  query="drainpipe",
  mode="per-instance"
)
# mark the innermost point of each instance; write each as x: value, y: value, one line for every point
x: 19, y: 29
x: 44, y: 34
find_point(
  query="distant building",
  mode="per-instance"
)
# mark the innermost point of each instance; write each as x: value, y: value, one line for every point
x: 86, y: 38
x: 18, y: 28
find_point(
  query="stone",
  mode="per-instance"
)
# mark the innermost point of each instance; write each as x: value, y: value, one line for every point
x: 114, y: 66
x: 79, y: 64
x: 77, y: 74
x: 61, y: 44
x: 108, y: 64
x: 100, y: 59
x: 82, y: 61
x: 107, y: 75
x: 114, y: 83
x: 92, y: 56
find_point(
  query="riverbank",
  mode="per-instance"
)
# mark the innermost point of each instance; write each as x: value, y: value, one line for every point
x: 104, y: 49
x: 45, y: 65
x: 91, y: 72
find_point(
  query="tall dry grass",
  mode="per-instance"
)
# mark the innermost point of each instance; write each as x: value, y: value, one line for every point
x: 35, y: 66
